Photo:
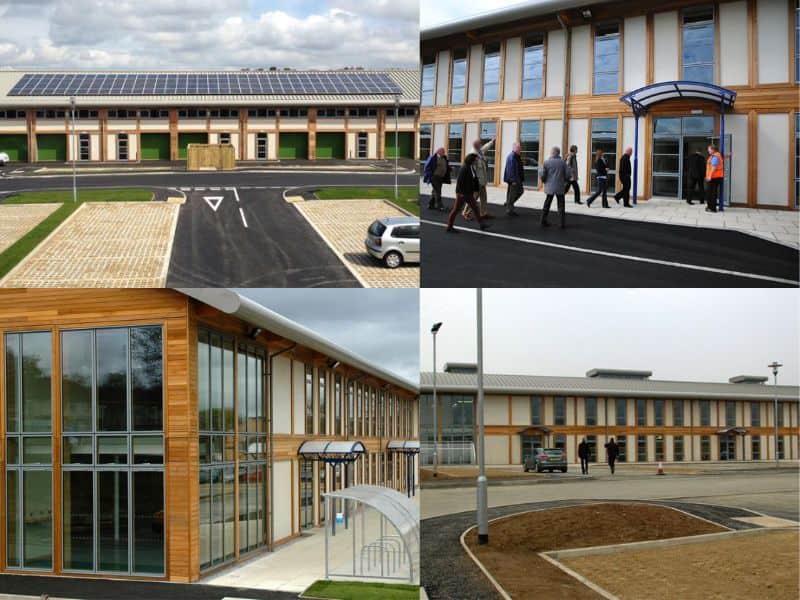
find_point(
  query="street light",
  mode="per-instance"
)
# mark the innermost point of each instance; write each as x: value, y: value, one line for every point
x: 482, y: 488
x: 74, y: 151
x: 434, y: 331
x: 396, y: 147
x: 775, y: 366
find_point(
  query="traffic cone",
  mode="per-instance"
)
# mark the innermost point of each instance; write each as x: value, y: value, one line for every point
x: 660, y: 470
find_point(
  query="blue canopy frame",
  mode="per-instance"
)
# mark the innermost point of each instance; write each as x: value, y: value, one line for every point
x: 644, y: 98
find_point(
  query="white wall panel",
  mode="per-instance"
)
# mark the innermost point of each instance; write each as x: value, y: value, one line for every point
x: 496, y: 449
x: 495, y: 410
x: 635, y: 53
x: 553, y: 130
x: 577, y: 131
x: 439, y: 135
x: 282, y: 389
x: 442, y: 76
x: 513, y: 69
x: 773, y: 41
x: 580, y: 60
x: 736, y: 125
x: 733, y: 43
x: 111, y: 146
x: 773, y: 160
x: 555, y: 63
x: 475, y: 69
x: 665, y: 59
x: 520, y: 410
x: 298, y: 374
x: 508, y: 137
x: 283, y: 499
x: 471, y: 134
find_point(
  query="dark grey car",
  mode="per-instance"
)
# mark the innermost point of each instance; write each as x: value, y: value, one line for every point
x: 546, y: 459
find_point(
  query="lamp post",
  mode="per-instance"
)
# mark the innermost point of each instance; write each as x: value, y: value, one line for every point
x: 396, y: 146
x: 775, y: 366
x: 74, y: 151
x: 482, y: 488
x: 434, y: 331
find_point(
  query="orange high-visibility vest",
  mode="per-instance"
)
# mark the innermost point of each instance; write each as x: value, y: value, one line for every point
x: 713, y: 172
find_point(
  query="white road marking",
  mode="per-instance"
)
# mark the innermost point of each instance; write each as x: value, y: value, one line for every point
x: 214, y: 201
x: 654, y: 261
x: 199, y: 189
x: 241, y: 212
x: 214, y: 189
x: 236, y: 195
x: 185, y: 189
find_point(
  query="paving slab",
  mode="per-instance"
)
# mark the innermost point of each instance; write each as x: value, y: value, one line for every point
x: 18, y: 219
x: 103, y: 244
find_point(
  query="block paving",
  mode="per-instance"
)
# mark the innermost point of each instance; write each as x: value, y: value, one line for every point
x: 18, y: 219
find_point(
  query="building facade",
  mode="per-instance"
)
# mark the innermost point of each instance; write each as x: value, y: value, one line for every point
x: 155, y: 433
x: 553, y: 74
x: 130, y: 124
x: 651, y: 420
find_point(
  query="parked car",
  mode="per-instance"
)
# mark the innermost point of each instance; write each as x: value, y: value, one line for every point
x: 394, y: 240
x: 4, y: 159
x: 546, y: 459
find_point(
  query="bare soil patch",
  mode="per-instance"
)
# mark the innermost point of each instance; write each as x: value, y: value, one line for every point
x: 763, y: 565
x: 514, y: 543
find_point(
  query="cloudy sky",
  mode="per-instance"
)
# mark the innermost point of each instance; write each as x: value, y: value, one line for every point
x: 436, y: 12
x: 380, y: 325
x: 694, y: 334
x: 167, y: 34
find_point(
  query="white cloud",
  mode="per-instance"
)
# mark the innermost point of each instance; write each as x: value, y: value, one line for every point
x: 437, y: 12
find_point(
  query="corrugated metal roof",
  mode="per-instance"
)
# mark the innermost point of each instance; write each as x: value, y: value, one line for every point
x: 605, y: 386
x: 407, y: 79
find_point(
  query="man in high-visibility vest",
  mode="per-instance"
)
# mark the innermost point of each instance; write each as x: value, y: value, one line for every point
x: 714, y: 175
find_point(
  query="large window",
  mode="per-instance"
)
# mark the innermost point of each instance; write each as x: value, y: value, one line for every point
x: 756, y: 447
x: 309, y: 399
x: 112, y: 387
x: 604, y: 137
x: 337, y: 407
x: 641, y: 448
x: 797, y: 42
x: 705, y: 413
x: 322, y: 401
x: 591, y: 411
x: 606, y: 59
x: 621, y: 411
x: 730, y: 413
x: 533, y: 66
x: 781, y: 446
x: 658, y: 406
x: 425, y: 149
x: 677, y: 413
x: 488, y: 130
x: 659, y: 455
x: 755, y: 414
x: 641, y: 412
x: 29, y: 472
x: 351, y: 410
x: 459, y: 82
x: 779, y: 408
x: 536, y: 410
x: 560, y: 410
x: 677, y: 448
x: 428, y: 80
x: 698, y: 44
x: 529, y: 151
x: 491, y: 72
x: 306, y: 494
x: 455, y: 142
x: 705, y: 447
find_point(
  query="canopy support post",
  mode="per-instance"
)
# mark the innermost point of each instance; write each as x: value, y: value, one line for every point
x: 635, y: 156
x: 722, y: 154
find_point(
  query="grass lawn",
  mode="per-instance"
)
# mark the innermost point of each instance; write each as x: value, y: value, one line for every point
x: 408, y: 196
x: 352, y: 590
x: 20, y: 249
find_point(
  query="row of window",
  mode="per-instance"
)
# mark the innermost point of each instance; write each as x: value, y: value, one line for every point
x: 202, y: 113
x: 12, y: 114
x: 697, y: 35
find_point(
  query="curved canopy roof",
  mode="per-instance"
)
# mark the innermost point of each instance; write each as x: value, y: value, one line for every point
x: 401, y: 512
x: 405, y: 446
x: 733, y: 430
x: 642, y: 99
x: 331, y: 450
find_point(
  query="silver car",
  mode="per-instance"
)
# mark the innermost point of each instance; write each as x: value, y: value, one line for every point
x: 394, y: 240
x: 4, y: 159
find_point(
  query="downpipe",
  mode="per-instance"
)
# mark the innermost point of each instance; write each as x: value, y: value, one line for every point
x: 565, y: 94
x: 271, y: 460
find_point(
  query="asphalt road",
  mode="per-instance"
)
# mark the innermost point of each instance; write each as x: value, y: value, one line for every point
x: 596, y: 252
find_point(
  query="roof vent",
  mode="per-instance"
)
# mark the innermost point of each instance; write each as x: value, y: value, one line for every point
x: 452, y: 367
x: 748, y: 379
x: 619, y: 373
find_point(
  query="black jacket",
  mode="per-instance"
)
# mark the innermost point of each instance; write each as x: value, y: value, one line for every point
x: 467, y: 182
x: 697, y: 167
x: 583, y: 450
x: 625, y: 166
x: 613, y: 450
x: 602, y: 167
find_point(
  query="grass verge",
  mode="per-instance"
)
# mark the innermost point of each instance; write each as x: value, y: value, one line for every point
x: 354, y: 590
x: 408, y: 196
x: 23, y: 246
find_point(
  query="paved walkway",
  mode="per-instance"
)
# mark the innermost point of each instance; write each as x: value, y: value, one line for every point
x: 343, y: 225
x: 774, y: 225
x: 18, y: 219
x: 103, y: 244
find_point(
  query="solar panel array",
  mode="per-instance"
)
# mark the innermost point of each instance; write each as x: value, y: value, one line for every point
x: 272, y: 83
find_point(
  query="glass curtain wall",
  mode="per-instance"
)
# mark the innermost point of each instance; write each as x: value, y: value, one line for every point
x: 488, y: 130
x: 698, y: 44
x: 459, y: 77
x: 606, y: 59
x: 533, y: 67
x: 529, y: 151
x: 491, y: 72
x: 455, y: 142
x: 604, y: 137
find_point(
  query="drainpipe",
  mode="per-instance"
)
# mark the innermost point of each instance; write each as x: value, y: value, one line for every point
x: 271, y: 460
x: 565, y: 95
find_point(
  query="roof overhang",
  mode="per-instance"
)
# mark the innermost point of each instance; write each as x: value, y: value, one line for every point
x: 331, y: 451
x: 644, y: 98
x: 732, y: 431
x: 233, y: 303
x: 534, y: 429
x: 404, y: 446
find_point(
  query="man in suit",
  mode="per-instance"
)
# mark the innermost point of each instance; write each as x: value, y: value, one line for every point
x: 514, y: 176
x: 583, y: 454
x: 437, y: 173
x: 625, y: 178
x: 697, y: 173
x: 612, y: 452
x: 555, y: 174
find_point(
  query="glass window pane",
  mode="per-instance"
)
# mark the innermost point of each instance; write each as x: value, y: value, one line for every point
x: 12, y: 450
x: 228, y: 385
x: 112, y: 450
x: 148, y: 522
x: 205, y: 518
x: 252, y: 398
x: 112, y: 385
x: 76, y: 380
x: 37, y: 536
x: 202, y: 381
x: 78, y: 538
x: 148, y: 450
x: 12, y: 363
x: 242, y: 391
x: 216, y: 383
x: 230, y: 516
x: 77, y: 450
x: 36, y: 450
x: 12, y: 518
x: 216, y: 516
x: 112, y: 521
x: 36, y: 388
x: 146, y: 379
x: 670, y: 125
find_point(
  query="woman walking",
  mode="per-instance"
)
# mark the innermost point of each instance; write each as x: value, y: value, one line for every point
x: 601, y: 166
x: 467, y: 186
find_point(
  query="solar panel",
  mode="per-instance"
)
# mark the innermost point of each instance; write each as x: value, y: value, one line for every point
x: 213, y: 84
